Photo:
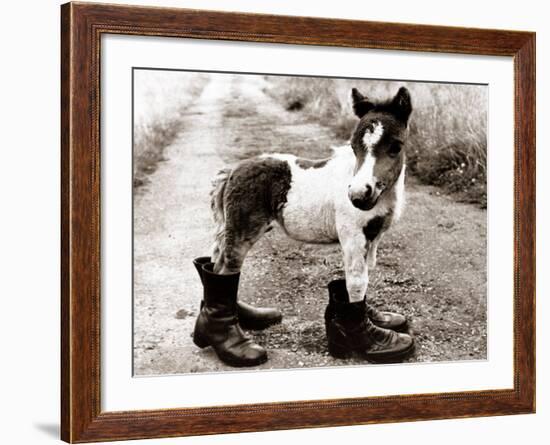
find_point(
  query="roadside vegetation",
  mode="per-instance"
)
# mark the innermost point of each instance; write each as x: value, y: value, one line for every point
x: 160, y: 99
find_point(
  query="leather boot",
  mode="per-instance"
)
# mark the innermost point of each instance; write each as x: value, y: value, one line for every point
x: 218, y: 324
x: 351, y: 330
x: 250, y: 317
x: 387, y: 320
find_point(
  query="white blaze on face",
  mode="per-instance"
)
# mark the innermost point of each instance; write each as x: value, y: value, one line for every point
x: 371, y: 138
x: 365, y: 175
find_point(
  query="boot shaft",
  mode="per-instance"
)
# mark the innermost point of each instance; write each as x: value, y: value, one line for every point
x: 338, y: 294
x: 218, y: 315
x: 339, y: 305
x: 337, y: 291
x: 199, y: 262
x: 250, y: 317
x: 219, y: 289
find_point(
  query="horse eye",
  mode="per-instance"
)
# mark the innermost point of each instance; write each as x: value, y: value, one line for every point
x: 394, y: 149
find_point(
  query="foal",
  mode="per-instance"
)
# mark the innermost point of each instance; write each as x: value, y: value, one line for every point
x: 351, y: 198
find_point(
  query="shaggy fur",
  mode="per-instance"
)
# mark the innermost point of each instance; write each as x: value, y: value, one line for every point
x: 244, y: 201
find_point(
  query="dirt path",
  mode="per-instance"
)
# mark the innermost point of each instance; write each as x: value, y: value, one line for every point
x: 431, y: 264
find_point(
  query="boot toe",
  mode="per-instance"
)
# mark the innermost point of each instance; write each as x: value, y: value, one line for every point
x: 404, y: 342
x: 391, y: 320
x: 402, y: 346
x: 255, y: 353
x: 249, y: 354
x: 257, y: 318
x: 399, y: 322
x: 242, y: 352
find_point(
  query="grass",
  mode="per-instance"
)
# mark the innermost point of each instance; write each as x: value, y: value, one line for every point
x: 447, y: 143
x: 160, y: 102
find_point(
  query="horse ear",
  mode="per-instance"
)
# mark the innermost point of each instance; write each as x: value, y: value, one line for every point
x: 361, y: 105
x: 401, y: 105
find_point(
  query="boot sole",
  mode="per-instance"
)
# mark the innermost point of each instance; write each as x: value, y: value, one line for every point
x: 392, y: 357
x: 202, y: 343
x: 404, y: 328
x: 239, y: 363
x: 343, y: 352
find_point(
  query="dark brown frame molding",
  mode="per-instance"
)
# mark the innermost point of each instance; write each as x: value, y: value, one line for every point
x: 82, y: 25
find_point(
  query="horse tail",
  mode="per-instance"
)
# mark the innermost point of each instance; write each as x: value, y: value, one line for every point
x: 217, y: 206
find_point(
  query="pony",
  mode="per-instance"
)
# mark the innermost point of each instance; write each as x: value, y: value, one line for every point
x: 351, y: 198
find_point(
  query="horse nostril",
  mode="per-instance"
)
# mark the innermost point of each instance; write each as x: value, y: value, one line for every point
x: 368, y: 191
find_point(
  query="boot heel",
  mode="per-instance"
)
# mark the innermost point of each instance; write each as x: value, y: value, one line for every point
x: 200, y: 341
x: 338, y: 351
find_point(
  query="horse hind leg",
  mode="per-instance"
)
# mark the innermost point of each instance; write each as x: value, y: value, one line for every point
x: 243, y: 214
x: 230, y: 254
x: 219, y: 243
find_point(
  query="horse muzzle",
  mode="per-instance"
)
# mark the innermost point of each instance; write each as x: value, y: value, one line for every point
x: 364, y: 204
x: 365, y: 200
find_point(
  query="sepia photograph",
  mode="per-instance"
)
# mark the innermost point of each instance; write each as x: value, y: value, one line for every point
x: 288, y: 221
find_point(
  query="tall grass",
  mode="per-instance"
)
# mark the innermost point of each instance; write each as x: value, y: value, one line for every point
x: 160, y: 100
x: 447, y: 143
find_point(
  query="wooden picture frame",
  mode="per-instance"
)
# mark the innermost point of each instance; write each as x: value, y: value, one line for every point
x: 82, y: 26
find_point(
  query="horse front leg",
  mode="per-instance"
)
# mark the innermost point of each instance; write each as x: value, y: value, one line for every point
x: 356, y: 269
x: 373, y: 251
x: 356, y: 325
